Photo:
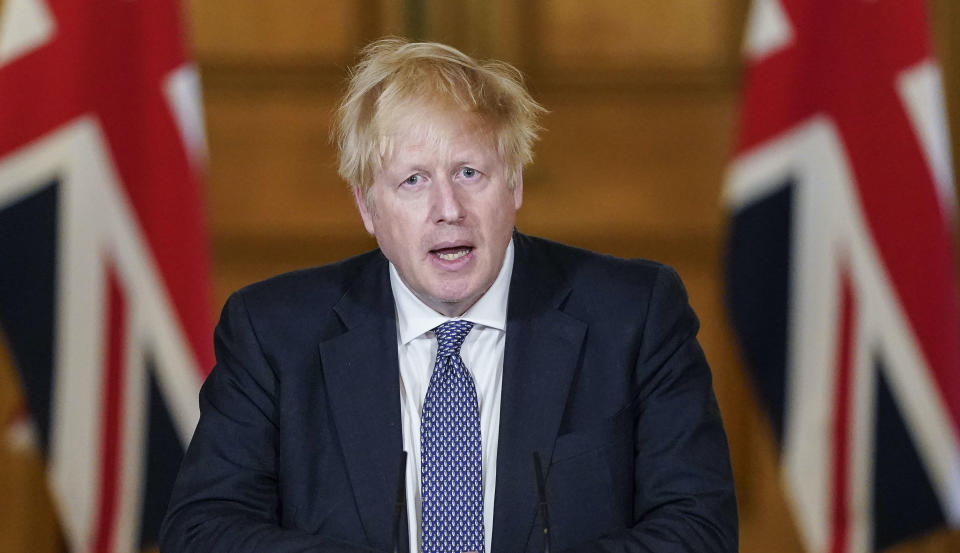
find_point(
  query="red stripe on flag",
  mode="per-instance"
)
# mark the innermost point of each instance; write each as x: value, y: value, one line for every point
x: 840, y: 520
x: 854, y: 84
x: 120, y: 77
x: 113, y: 387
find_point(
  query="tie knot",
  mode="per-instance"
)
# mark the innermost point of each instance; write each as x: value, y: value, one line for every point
x: 450, y: 336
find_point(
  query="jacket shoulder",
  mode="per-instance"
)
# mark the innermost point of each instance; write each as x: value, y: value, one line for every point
x: 605, y: 289
x: 602, y: 272
x: 316, y: 289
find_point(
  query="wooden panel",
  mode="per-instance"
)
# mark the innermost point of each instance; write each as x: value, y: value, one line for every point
x: 240, y: 259
x: 766, y: 522
x: 484, y: 28
x: 625, y: 34
x: 275, y: 201
x: 945, y: 15
x: 29, y: 520
x: 393, y: 17
x: 255, y: 31
x: 941, y: 541
x: 459, y: 24
x: 504, y: 39
x: 630, y: 164
x: 272, y: 168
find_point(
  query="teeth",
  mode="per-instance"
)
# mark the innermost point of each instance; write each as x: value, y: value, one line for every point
x: 453, y: 255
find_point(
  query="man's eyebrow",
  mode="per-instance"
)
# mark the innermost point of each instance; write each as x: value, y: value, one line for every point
x: 472, y: 159
x: 413, y: 168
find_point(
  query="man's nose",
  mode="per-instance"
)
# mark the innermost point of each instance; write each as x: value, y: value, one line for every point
x: 448, y: 204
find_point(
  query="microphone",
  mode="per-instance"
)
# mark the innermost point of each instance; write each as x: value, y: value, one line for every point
x: 401, y: 500
x: 542, y: 507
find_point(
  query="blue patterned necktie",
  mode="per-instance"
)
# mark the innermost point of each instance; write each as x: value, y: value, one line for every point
x: 450, y: 487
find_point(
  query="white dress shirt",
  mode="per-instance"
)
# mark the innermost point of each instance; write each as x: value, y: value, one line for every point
x: 482, y: 353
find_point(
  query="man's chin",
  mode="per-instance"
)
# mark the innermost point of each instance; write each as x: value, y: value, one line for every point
x: 452, y: 304
x: 446, y: 291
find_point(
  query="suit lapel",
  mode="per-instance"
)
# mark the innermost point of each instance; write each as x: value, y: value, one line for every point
x: 542, y: 348
x: 362, y: 375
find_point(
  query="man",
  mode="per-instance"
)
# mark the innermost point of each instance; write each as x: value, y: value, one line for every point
x: 488, y: 356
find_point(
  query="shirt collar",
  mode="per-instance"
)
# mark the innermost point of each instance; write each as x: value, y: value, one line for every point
x: 415, y: 318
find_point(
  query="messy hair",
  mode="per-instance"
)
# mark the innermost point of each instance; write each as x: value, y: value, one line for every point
x: 394, y: 75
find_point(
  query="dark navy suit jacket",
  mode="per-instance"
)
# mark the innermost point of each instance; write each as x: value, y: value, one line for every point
x: 299, y: 439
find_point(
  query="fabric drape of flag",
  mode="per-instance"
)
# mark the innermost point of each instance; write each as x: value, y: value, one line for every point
x: 103, y: 279
x: 841, y: 274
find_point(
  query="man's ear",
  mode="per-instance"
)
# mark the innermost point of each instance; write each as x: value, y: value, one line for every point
x: 365, y: 211
x: 518, y: 190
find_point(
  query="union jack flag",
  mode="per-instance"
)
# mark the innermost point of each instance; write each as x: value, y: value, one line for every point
x: 841, y: 275
x: 103, y: 279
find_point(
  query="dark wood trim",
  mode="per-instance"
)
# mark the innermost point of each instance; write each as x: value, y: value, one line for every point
x: 230, y: 77
x: 529, y: 27
x: 369, y: 14
x: 306, y: 76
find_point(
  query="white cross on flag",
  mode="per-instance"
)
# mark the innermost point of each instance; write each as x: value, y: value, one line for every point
x: 841, y: 274
x: 103, y: 283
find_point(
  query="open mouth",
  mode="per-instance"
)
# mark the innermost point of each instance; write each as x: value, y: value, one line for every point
x: 452, y: 254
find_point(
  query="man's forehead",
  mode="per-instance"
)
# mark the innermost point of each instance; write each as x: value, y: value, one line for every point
x: 435, y: 133
x: 429, y: 122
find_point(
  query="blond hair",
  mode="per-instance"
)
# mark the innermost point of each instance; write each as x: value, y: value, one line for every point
x: 394, y: 74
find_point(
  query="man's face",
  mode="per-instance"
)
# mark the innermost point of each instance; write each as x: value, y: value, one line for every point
x: 441, y: 208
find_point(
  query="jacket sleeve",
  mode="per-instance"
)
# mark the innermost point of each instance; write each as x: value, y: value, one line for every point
x: 226, y: 497
x: 684, y: 497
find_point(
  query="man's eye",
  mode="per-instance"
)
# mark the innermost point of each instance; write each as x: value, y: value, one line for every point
x: 468, y: 172
x: 412, y: 179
